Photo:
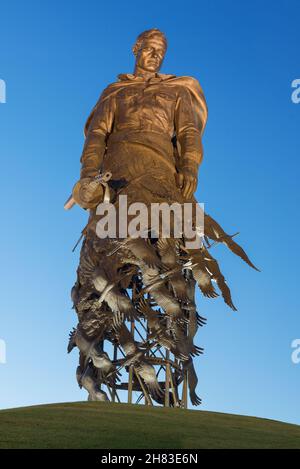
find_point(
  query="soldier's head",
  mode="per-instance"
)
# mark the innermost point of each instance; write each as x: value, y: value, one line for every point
x: 149, y: 49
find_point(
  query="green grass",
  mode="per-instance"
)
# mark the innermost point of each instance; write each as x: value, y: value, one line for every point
x: 106, y: 425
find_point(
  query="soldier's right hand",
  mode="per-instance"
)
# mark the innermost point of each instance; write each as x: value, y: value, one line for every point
x: 87, y: 193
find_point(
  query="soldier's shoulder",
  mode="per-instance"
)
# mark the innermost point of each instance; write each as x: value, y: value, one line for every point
x: 111, y: 88
x: 187, y: 79
x: 188, y: 82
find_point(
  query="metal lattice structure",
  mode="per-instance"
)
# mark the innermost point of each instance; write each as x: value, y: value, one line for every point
x: 170, y: 375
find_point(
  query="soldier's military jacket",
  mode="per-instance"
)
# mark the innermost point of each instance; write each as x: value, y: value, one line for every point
x: 161, y: 114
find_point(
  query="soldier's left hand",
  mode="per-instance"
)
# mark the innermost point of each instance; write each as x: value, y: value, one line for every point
x: 187, y: 181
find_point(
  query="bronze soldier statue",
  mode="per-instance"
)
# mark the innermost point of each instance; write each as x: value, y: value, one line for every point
x: 143, y: 141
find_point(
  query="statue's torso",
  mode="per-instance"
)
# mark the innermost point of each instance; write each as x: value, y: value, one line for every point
x: 144, y: 114
x: 148, y: 107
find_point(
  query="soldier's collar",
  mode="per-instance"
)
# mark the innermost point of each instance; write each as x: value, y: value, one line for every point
x: 131, y: 77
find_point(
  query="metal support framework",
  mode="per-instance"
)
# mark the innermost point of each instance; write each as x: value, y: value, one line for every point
x: 169, y: 372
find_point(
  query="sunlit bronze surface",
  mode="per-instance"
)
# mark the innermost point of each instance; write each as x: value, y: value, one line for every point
x: 145, y: 129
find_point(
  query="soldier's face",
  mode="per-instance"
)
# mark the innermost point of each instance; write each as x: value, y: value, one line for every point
x: 151, y: 55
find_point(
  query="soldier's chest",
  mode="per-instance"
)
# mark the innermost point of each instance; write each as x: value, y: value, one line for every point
x: 143, y: 96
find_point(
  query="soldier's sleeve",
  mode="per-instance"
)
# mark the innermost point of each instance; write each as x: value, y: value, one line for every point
x: 188, y: 133
x: 98, y: 131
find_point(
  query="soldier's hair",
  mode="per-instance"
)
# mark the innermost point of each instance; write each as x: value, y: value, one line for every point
x: 149, y: 34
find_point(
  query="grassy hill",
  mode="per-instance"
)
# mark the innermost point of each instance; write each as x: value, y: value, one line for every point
x: 106, y: 425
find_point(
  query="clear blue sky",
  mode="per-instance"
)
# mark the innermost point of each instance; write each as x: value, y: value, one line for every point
x: 56, y: 57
